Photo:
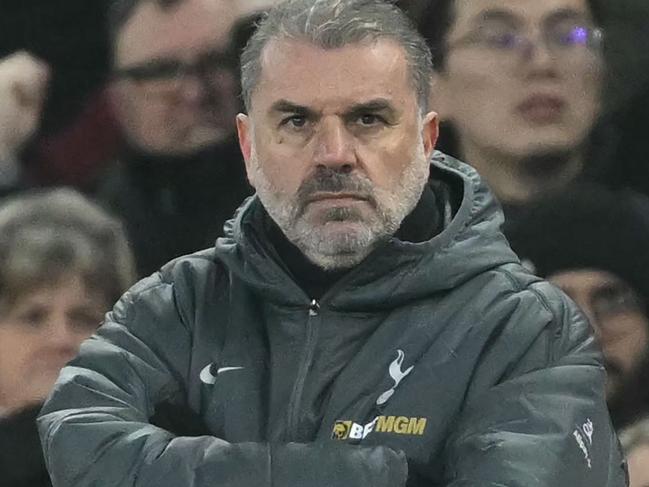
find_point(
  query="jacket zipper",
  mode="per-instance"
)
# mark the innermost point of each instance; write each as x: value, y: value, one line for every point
x: 303, y: 370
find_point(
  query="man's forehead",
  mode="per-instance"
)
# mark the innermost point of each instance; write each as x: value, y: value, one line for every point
x: 471, y: 10
x: 286, y: 49
x: 356, y: 73
x: 153, y: 31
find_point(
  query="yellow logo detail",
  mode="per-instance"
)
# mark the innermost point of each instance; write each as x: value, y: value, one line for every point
x: 400, y: 425
x: 341, y: 430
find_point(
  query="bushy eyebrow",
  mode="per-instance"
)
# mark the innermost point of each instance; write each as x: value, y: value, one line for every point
x: 566, y: 14
x: 502, y: 15
x: 497, y: 15
x: 372, y: 106
x: 285, y: 106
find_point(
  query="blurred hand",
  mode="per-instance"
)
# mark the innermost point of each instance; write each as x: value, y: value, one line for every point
x: 23, y: 85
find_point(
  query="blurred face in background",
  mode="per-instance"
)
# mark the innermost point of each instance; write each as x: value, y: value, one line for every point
x: 39, y: 333
x: 618, y: 317
x: 175, y: 87
x: 522, y: 77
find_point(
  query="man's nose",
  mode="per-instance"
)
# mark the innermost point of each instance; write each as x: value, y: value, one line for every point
x: 540, y: 58
x: 193, y: 88
x: 334, y: 145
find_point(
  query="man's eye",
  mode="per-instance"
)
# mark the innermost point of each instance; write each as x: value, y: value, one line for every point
x: 568, y: 36
x: 157, y: 71
x: 33, y: 318
x: 369, y: 120
x: 295, y: 121
x: 504, y: 40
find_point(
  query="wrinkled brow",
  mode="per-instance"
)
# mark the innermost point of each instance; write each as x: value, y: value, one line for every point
x: 372, y: 106
x: 285, y: 106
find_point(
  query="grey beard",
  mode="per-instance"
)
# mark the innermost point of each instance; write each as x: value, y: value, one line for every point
x: 342, y: 250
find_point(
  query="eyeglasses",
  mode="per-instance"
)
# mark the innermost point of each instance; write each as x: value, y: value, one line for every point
x: 559, y: 38
x: 169, y: 73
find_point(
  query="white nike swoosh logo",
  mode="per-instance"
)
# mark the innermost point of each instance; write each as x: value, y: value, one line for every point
x: 207, y: 377
x: 227, y: 369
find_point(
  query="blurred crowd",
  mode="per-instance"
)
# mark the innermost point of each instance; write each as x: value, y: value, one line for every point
x: 118, y: 153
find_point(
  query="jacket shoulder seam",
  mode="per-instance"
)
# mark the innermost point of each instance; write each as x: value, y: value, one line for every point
x: 556, y: 329
x: 518, y: 287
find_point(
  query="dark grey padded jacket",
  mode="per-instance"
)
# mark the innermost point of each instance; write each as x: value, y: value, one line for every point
x: 441, y: 363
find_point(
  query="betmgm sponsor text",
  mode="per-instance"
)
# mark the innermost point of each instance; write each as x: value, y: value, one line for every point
x: 400, y: 425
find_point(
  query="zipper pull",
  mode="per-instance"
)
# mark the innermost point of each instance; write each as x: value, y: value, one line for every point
x: 314, y: 308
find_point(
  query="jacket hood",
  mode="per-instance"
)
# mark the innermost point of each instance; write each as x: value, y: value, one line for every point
x: 397, y: 272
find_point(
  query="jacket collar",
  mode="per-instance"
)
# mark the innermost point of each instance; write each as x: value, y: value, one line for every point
x: 397, y: 272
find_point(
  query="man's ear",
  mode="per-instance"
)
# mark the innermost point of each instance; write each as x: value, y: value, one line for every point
x: 430, y: 133
x: 439, y: 95
x: 244, y: 131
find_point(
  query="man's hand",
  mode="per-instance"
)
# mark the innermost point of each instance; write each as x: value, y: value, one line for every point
x: 23, y: 85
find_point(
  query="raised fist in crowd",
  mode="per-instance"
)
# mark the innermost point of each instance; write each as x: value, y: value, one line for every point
x: 23, y: 86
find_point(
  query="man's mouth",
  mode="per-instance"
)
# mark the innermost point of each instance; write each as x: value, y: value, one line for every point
x: 542, y: 109
x: 336, y: 196
x: 337, y: 200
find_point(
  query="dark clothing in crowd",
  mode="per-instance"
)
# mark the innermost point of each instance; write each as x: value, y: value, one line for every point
x: 21, y: 457
x: 78, y: 153
x: 593, y: 228
x: 587, y: 227
x: 625, y: 163
x: 173, y: 206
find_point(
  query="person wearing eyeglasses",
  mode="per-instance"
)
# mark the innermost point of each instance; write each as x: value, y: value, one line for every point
x: 518, y: 85
x: 593, y: 243
x: 174, y: 90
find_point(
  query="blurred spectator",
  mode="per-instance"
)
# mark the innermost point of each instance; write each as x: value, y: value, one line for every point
x: 70, y: 36
x: 74, y: 155
x: 175, y: 92
x: 594, y: 244
x: 63, y: 263
x: 635, y: 442
x: 174, y: 85
x: 519, y: 83
x: 23, y: 84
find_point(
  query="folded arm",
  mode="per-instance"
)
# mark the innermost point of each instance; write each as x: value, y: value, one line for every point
x: 96, y: 430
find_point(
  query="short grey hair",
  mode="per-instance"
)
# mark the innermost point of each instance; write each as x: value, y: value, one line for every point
x: 46, y: 234
x: 332, y: 24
